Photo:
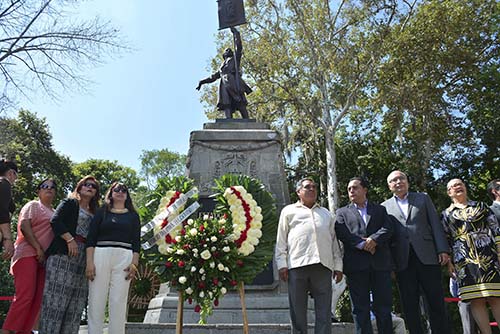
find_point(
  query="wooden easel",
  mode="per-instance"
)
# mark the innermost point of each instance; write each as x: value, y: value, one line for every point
x: 180, y: 310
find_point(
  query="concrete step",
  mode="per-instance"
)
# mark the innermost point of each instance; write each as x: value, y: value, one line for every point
x: 169, y: 328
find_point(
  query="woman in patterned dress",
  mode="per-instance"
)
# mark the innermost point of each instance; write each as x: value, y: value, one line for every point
x: 66, y: 288
x: 474, y: 236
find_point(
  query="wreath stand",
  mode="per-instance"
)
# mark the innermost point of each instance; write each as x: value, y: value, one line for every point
x: 180, y: 310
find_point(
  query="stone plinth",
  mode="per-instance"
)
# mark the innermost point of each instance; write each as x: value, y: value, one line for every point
x: 238, y: 147
x: 234, y: 147
x: 138, y: 328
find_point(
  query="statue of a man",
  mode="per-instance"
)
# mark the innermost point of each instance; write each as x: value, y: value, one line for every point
x: 232, y: 88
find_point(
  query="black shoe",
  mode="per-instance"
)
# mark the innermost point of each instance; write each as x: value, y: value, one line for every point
x: 334, y: 320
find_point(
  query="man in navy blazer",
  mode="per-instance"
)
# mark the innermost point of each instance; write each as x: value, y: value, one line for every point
x: 418, y: 247
x: 365, y: 229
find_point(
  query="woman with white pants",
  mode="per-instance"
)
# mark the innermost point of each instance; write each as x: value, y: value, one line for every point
x: 113, y: 245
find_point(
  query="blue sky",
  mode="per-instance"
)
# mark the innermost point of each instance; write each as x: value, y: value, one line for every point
x: 145, y: 99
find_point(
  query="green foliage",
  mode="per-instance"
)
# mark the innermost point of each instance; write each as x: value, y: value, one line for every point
x: 162, y: 163
x: 106, y: 172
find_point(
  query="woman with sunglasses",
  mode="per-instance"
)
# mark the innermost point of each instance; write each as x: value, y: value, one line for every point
x: 8, y: 175
x: 33, y: 237
x: 66, y: 288
x: 113, y: 246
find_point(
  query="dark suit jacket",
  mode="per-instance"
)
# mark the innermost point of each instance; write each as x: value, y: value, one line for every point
x: 65, y: 219
x: 422, y: 230
x: 351, y: 229
x: 495, y: 207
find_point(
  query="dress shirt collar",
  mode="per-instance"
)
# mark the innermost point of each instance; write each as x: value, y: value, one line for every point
x: 299, y: 204
x: 359, y: 207
x: 405, y: 198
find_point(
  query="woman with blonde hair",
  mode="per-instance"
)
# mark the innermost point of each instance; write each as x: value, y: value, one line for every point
x: 66, y: 288
x: 113, y: 246
x: 474, y: 235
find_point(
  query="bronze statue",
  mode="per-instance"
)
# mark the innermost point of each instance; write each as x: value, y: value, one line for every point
x: 232, y: 88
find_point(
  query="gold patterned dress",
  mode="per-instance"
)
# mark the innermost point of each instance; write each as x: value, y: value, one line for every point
x: 474, y: 233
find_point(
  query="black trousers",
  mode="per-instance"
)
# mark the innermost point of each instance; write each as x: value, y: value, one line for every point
x: 427, y: 278
x: 361, y: 283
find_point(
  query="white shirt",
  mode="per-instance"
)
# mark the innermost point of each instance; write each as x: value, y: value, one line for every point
x: 307, y: 236
x: 403, y: 205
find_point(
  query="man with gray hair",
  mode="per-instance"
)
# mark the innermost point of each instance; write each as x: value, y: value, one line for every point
x: 418, y: 248
x: 307, y: 256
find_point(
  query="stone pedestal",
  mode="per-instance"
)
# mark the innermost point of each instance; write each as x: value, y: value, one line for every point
x: 237, y: 147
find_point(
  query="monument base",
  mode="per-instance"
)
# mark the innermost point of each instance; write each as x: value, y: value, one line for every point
x: 138, y: 328
x: 264, y: 304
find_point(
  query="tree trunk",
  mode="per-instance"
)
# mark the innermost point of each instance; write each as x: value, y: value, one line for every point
x: 331, y: 171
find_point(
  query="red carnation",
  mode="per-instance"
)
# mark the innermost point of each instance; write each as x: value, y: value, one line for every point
x: 216, y: 302
x: 168, y: 264
x: 190, y: 300
x: 183, y: 232
x: 222, y: 231
x: 201, y: 285
x: 181, y: 264
x: 233, y: 282
x: 215, y: 254
x: 224, y: 216
x: 239, y: 263
x: 168, y: 239
x: 186, y: 246
x: 202, y: 228
x: 215, y: 280
x: 197, y: 308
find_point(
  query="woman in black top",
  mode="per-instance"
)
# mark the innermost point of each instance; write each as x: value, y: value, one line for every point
x: 8, y: 175
x: 113, y: 246
x: 66, y: 287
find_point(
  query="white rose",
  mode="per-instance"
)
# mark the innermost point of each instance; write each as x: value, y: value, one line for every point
x: 205, y: 255
x: 213, y: 249
x: 212, y: 264
x: 223, y: 290
x: 222, y: 221
x: 170, y: 250
x: 226, y: 249
x: 193, y: 269
x: 190, y: 221
x: 163, y: 249
x: 182, y: 279
x: 189, y: 291
x: 226, y: 269
x: 195, y: 250
x: 179, y: 252
x: 213, y: 239
x: 205, y: 217
x: 178, y: 238
x: 220, y: 266
x: 202, y: 294
x: 210, y: 294
x: 193, y: 231
x: 203, y: 277
x: 201, y: 271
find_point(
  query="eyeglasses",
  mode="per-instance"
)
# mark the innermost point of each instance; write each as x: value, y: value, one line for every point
x: 398, y: 178
x: 47, y: 186
x: 90, y: 185
x: 120, y: 190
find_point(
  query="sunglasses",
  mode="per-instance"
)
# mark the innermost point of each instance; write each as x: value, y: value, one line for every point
x: 120, y: 190
x: 47, y: 186
x: 90, y: 185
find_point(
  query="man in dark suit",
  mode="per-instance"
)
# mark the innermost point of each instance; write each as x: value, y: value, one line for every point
x: 494, y: 193
x: 365, y: 230
x: 418, y: 247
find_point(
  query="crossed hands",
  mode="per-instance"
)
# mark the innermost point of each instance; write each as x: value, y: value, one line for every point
x: 370, y: 245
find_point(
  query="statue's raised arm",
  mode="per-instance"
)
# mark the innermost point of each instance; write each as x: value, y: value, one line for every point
x: 232, y: 88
